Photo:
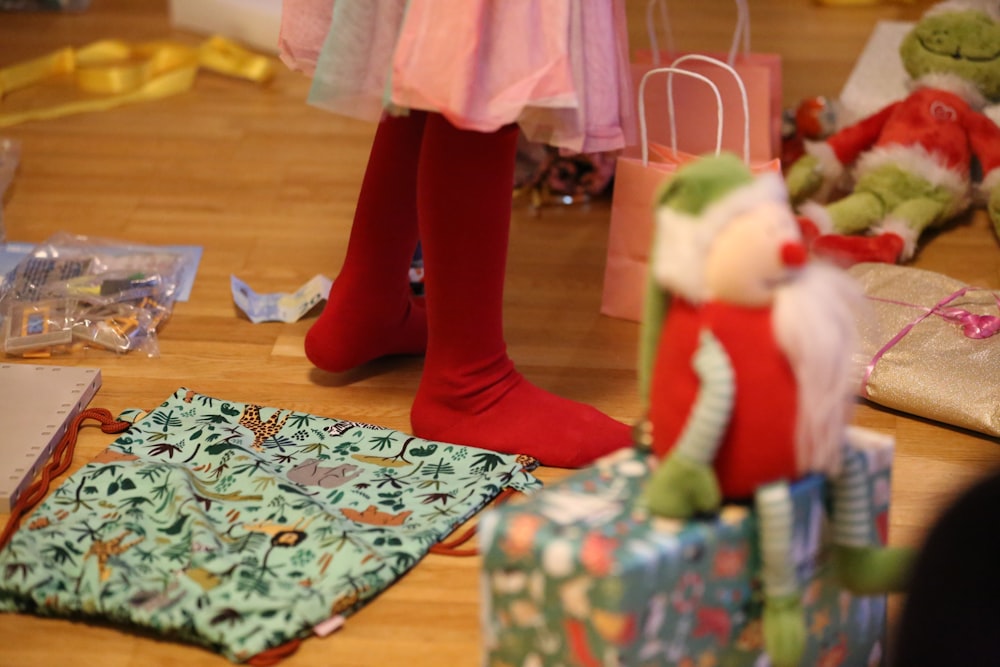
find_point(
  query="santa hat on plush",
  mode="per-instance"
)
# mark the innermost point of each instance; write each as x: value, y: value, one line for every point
x: 700, y: 200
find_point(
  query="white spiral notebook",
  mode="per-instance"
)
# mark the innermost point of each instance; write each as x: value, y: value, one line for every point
x: 37, y: 403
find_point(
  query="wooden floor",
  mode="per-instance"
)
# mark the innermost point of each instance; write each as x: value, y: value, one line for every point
x: 266, y: 185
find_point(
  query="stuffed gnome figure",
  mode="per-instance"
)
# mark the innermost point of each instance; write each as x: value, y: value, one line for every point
x: 915, y: 161
x: 747, y: 372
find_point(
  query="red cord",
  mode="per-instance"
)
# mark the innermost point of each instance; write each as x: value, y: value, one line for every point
x: 60, y: 461
x: 451, y: 547
x: 273, y: 656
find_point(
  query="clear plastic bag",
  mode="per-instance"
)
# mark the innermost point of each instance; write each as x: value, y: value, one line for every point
x: 75, y: 291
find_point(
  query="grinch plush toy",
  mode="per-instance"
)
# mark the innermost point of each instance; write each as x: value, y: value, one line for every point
x: 915, y: 161
x: 747, y: 373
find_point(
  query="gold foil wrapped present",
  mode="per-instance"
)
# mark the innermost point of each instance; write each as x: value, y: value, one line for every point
x: 932, y: 347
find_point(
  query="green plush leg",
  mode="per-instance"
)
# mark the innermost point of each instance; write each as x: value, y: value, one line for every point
x: 856, y: 212
x: 873, y: 570
x: 803, y: 178
x: 783, y: 619
x: 860, y: 566
x: 920, y: 213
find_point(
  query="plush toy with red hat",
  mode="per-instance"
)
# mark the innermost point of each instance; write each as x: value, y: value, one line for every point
x: 747, y: 373
x: 918, y: 162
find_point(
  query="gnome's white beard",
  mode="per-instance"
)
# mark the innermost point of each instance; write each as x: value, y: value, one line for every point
x: 816, y: 323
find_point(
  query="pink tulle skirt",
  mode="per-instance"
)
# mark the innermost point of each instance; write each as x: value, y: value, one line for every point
x: 558, y: 68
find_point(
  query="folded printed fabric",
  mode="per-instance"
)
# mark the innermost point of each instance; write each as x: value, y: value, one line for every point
x: 931, y: 347
x: 241, y: 528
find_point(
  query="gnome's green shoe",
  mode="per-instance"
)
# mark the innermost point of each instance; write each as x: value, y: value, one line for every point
x: 873, y: 570
x: 784, y: 627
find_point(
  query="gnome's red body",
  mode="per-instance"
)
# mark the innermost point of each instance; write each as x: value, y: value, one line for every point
x: 759, y: 444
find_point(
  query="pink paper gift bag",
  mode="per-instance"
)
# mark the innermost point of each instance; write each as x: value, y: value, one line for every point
x: 637, y: 181
x: 759, y: 72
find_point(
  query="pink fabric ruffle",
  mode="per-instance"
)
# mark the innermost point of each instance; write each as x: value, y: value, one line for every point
x: 558, y: 68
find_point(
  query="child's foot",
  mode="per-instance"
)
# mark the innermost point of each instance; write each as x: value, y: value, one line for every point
x: 352, y: 331
x: 513, y: 416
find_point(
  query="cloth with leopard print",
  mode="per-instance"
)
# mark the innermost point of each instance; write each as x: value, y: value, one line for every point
x: 243, y: 528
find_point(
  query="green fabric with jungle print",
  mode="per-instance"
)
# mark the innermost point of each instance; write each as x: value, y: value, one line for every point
x: 241, y: 528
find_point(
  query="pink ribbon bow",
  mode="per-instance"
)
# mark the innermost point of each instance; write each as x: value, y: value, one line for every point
x: 973, y: 326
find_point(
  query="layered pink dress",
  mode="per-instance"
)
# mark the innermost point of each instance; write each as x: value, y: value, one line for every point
x: 557, y: 68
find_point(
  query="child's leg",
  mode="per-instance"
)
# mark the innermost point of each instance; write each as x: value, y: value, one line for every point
x: 470, y: 392
x: 371, y: 311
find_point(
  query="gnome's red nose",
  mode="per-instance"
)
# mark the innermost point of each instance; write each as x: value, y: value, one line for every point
x: 794, y: 254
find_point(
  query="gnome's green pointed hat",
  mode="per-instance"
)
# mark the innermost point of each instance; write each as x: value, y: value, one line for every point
x: 700, y: 199
x: 698, y: 184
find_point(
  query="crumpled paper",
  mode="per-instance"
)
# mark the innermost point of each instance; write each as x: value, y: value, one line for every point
x: 279, y: 306
x: 932, y: 346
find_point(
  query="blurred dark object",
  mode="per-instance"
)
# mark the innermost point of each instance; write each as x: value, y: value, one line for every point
x: 952, y: 608
x: 813, y: 119
x: 43, y: 5
x: 545, y: 177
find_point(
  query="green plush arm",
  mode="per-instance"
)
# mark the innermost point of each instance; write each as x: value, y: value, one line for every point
x: 685, y: 482
x: 803, y: 178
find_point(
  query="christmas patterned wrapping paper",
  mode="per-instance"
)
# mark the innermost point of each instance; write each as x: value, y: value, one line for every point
x: 930, y: 348
x: 579, y: 575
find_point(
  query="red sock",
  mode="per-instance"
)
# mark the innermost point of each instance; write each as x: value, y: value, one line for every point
x: 371, y: 311
x: 470, y: 393
x: 850, y: 250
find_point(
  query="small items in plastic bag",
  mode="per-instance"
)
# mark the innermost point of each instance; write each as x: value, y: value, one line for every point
x: 33, y: 325
x: 73, y: 292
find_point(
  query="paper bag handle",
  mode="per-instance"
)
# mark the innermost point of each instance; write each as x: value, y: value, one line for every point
x: 743, y: 95
x: 643, y: 131
x: 740, y: 33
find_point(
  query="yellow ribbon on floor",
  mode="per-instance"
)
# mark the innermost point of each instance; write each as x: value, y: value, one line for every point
x: 114, y: 73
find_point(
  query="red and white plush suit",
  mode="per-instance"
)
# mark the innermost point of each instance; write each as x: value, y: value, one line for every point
x: 767, y: 409
x: 933, y: 134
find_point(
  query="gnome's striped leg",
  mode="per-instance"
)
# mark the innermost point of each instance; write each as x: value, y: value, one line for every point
x: 861, y: 565
x: 784, y: 620
x: 852, y: 511
x: 776, y: 515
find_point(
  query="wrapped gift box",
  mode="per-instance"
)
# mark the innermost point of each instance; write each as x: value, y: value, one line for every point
x: 932, y: 347
x: 579, y: 575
